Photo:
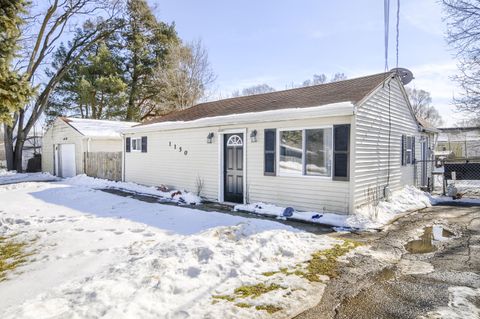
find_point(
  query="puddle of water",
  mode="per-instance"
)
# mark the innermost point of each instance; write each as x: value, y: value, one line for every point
x: 425, y: 243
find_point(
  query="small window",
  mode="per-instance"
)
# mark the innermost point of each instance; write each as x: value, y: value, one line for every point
x: 136, y: 143
x: 305, y: 152
x: 235, y: 140
x: 408, y: 150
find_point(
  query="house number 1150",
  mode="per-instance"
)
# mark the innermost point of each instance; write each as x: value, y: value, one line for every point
x: 177, y: 147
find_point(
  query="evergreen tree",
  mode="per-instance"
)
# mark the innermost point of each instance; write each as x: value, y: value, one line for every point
x: 93, y: 87
x: 146, y: 41
x: 15, y: 90
x: 117, y: 79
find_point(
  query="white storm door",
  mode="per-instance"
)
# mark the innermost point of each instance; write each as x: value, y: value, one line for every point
x: 67, y: 160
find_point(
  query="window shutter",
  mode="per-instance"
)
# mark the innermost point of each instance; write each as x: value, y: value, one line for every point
x: 144, y: 144
x: 414, y: 159
x: 341, y: 152
x: 270, y: 147
x: 404, y: 150
x: 127, y: 144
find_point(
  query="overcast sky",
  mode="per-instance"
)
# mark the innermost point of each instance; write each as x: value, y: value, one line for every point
x: 280, y: 42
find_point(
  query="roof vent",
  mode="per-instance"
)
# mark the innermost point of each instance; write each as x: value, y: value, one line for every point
x: 406, y: 76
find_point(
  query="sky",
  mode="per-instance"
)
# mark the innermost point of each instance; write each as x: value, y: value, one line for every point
x: 284, y: 41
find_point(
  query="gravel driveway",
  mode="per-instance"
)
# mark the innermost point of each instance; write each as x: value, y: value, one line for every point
x: 444, y: 283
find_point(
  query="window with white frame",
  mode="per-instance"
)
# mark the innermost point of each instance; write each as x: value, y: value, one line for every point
x: 136, y: 144
x: 305, y: 152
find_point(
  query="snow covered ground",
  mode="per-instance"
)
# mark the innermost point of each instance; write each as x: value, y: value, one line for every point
x: 170, y: 195
x: 8, y: 177
x: 102, y: 255
x: 367, y: 216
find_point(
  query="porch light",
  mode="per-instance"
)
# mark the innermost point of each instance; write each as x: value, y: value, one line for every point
x: 210, y: 138
x: 253, y: 136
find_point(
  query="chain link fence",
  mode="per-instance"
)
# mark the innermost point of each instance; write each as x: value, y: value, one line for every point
x: 440, y: 175
x: 464, y: 174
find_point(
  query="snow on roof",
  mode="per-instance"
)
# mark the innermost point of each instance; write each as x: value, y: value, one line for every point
x: 98, y: 128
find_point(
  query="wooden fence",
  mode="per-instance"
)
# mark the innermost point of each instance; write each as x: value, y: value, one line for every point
x: 107, y: 165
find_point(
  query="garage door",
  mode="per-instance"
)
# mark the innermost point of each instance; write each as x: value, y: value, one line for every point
x: 67, y: 160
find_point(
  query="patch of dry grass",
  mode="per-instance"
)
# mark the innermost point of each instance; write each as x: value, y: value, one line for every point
x: 268, y: 308
x: 323, y: 262
x: 13, y: 253
x: 255, y: 291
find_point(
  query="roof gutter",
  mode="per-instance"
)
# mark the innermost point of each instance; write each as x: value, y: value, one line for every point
x: 328, y: 110
x: 429, y: 130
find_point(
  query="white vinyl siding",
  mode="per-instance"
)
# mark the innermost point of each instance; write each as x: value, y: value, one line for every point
x: 163, y: 164
x: 176, y: 159
x: 370, y: 136
x: 61, y: 133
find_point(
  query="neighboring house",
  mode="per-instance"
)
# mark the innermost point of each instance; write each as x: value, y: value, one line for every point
x: 31, y: 147
x: 74, y: 146
x: 324, y: 147
x: 463, y: 142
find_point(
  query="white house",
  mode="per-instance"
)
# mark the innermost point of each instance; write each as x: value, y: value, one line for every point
x: 74, y: 146
x: 327, y: 147
x: 463, y: 142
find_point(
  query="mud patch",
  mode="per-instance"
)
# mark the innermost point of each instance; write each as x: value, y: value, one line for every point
x: 426, y: 242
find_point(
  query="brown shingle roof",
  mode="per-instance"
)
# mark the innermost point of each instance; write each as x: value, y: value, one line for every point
x: 352, y: 90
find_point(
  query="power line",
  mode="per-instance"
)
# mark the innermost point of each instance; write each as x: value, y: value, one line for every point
x: 398, y: 30
x: 386, y: 16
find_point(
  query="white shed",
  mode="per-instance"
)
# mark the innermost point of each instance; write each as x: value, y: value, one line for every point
x: 329, y: 147
x: 74, y: 146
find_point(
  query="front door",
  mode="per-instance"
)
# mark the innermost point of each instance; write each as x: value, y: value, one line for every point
x: 233, y: 173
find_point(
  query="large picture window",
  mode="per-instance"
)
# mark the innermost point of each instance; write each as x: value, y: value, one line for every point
x: 305, y: 152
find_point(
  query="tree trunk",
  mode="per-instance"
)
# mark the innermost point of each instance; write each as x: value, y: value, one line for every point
x: 131, y: 100
x: 8, y: 140
x: 18, y: 154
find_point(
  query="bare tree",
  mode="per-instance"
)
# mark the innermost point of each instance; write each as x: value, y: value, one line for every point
x: 463, y: 34
x: 338, y: 77
x: 182, y: 80
x: 317, y: 79
x: 421, y: 102
x: 475, y: 122
x: 321, y: 79
x: 254, y: 89
x: 44, y: 33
